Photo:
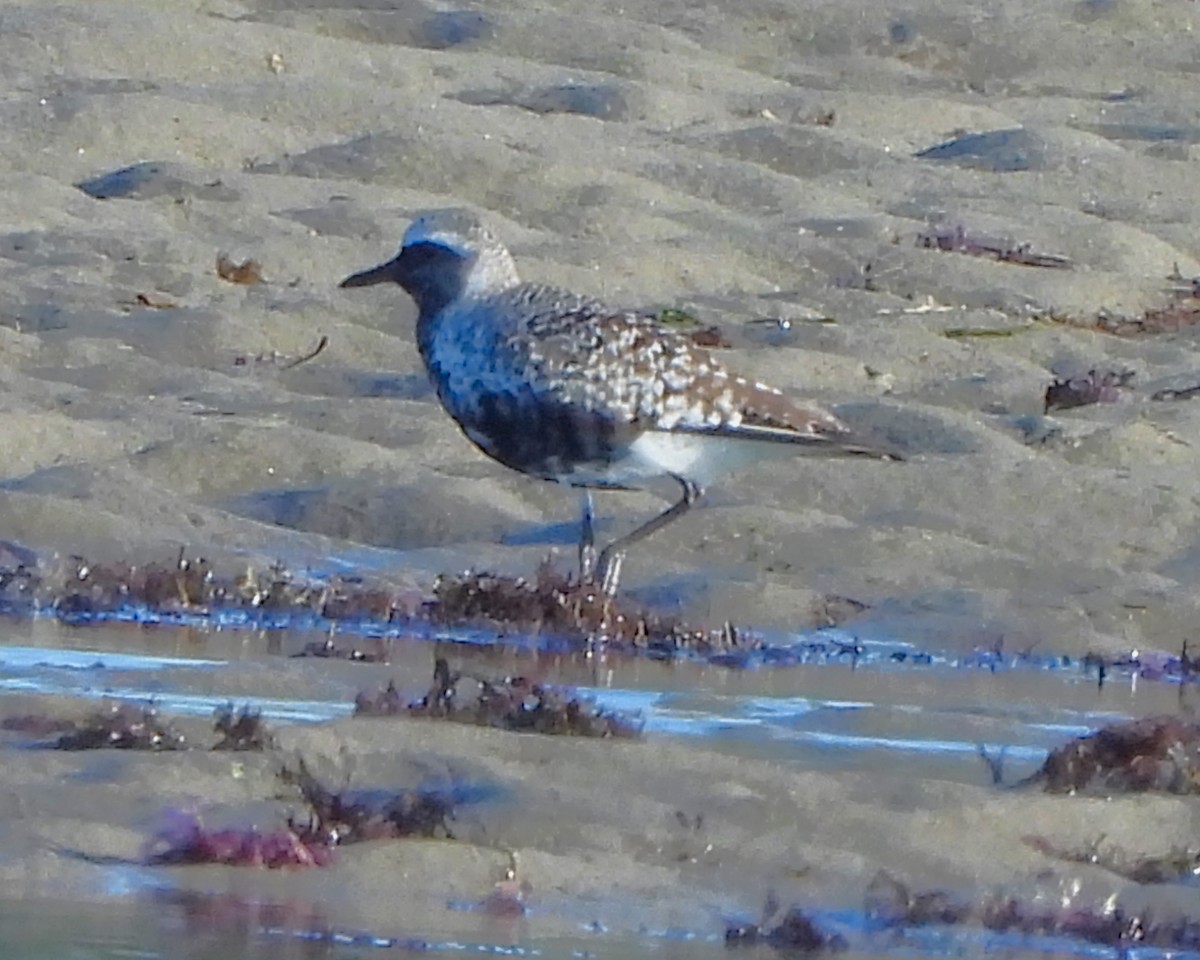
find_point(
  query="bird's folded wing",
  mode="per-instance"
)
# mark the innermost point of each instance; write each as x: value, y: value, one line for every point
x: 818, y: 442
x: 634, y: 370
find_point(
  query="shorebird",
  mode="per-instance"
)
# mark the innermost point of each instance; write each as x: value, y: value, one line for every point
x: 561, y: 386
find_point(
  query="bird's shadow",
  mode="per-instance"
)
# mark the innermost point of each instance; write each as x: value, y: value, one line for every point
x: 905, y: 430
x: 350, y: 382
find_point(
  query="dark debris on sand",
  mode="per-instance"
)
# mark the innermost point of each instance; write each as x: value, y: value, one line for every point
x: 513, y: 703
x: 241, y: 729
x: 1151, y: 754
x: 1157, y: 665
x: 1178, y: 864
x: 274, y: 360
x: 957, y: 239
x: 1066, y: 393
x: 247, y: 272
x: 375, y: 651
x: 891, y: 904
x: 790, y: 931
x: 1181, y: 311
x: 1151, y: 665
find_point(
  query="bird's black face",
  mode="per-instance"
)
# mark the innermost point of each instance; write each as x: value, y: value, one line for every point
x: 432, y: 274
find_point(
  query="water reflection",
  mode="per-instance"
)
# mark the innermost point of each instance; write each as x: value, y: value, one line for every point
x: 187, y: 925
x: 830, y: 715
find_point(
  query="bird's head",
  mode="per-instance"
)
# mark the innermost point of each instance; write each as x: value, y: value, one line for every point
x: 445, y: 255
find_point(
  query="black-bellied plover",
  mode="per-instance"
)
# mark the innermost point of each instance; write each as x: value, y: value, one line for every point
x: 562, y: 387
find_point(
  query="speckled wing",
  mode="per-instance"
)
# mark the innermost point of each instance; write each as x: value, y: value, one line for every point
x: 627, y: 366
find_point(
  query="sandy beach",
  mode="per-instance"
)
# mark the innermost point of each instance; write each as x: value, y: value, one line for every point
x: 921, y: 215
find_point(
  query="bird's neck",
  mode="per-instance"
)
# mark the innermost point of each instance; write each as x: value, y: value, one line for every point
x: 444, y: 322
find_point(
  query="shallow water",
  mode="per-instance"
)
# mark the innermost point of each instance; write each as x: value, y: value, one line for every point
x: 840, y: 715
x: 163, y: 927
x: 926, y: 724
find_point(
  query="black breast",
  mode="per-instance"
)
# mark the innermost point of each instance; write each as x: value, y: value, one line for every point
x: 543, y: 436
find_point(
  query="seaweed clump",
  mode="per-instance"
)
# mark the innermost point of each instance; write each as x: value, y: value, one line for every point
x: 89, y: 591
x: 349, y: 816
x: 122, y: 726
x: 1134, y: 756
x: 241, y: 729
x: 514, y: 703
x: 891, y: 904
x: 138, y: 726
x: 554, y: 604
x: 793, y: 932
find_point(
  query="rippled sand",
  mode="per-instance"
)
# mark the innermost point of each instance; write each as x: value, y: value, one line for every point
x: 754, y: 164
x: 667, y: 157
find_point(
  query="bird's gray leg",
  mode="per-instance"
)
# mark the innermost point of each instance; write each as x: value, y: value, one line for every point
x: 587, y: 539
x: 611, y: 576
x: 608, y: 567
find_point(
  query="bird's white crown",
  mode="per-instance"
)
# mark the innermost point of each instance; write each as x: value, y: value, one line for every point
x: 461, y: 232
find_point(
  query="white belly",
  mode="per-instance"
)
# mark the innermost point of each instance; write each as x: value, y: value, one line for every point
x: 700, y: 458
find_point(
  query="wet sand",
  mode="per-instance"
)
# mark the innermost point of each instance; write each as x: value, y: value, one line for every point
x: 755, y: 167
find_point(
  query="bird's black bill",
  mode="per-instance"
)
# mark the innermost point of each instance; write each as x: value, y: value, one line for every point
x: 383, y: 273
x: 432, y: 274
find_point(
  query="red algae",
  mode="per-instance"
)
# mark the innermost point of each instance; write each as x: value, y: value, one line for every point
x: 334, y: 819
x: 185, y: 840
